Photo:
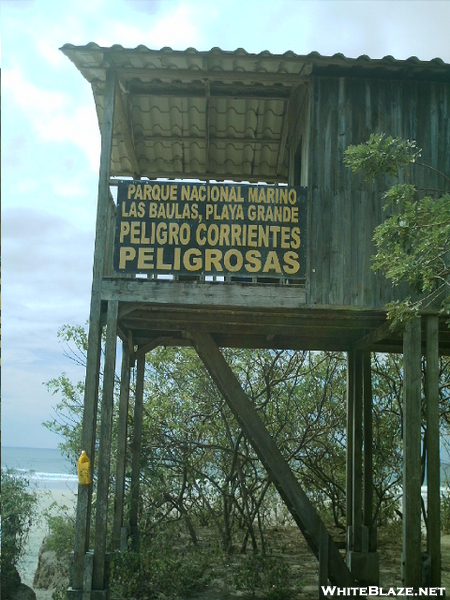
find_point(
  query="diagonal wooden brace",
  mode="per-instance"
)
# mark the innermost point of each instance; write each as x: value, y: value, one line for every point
x: 304, y: 513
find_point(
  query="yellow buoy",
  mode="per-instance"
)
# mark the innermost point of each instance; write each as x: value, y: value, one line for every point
x: 84, y: 466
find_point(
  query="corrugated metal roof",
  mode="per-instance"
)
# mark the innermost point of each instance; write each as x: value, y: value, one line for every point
x: 215, y: 114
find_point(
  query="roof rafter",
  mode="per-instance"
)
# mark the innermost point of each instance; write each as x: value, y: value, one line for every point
x: 120, y: 118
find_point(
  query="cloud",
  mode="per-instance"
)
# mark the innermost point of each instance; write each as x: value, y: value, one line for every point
x: 53, y: 115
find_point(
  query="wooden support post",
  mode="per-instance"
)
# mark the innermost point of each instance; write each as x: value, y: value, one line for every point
x: 94, y: 337
x: 323, y: 561
x: 104, y: 452
x: 121, y: 445
x: 433, y: 458
x: 357, y: 454
x: 136, y: 452
x: 279, y: 471
x: 411, y: 556
x: 349, y: 474
x: 368, y: 442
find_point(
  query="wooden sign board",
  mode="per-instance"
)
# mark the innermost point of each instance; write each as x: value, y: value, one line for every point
x: 210, y: 229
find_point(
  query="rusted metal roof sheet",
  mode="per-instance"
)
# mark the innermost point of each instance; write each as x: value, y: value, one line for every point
x: 217, y: 114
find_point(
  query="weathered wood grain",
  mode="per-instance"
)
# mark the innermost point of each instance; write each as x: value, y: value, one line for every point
x: 104, y: 451
x: 433, y: 460
x: 411, y: 556
x: 121, y: 445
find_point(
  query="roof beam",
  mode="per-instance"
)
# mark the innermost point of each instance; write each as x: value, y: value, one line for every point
x: 179, y: 90
x: 284, y: 134
x: 173, y: 139
x: 122, y: 120
x: 207, y: 115
x: 206, y: 176
x: 188, y: 75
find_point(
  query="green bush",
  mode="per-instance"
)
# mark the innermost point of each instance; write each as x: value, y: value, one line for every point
x: 265, y: 573
x: 61, y: 530
x: 445, y: 512
x: 165, y: 566
x: 18, y: 506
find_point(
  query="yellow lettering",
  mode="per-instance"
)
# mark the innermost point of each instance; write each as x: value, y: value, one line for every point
x: 253, y: 194
x: 294, y: 214
x: 131, y: 189
x: 235, y: 235
x: 141, y: 209
x: 192, y: 259
x: 124, y: 230
x: 285, y: 237
x: 138, y: 195
x: 194, y: 193
x: 224, y: 235
x: 295, y: 234
x: 126, y: 255
x: 184, y: 192
x: 212, y: 259
x: 227, y: 260
x: 176, y: 259
x: 165, y: 195
x: 173, y: 234
x: 147, y: 192
x: 185, y: 234
x: 272, y: 263
x: 199, y: 236
x: 160, y: 264
x: 135, y: 231
x: 251, y: 236
x: 145, y: 258
x: 253, y: 264
x: 156, y: 192
x: 161, y: 233
x: 291, y: 265
x: 144, y: 239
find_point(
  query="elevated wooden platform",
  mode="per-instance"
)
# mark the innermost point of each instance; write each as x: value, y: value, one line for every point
x: 244, y: 315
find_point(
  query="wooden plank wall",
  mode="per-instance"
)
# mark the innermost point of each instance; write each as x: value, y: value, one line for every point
x: 343, y: 210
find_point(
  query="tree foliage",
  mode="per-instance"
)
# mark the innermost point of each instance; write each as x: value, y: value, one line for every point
x: 198, y: 471
x: 413, y: 242
x: 18, y: 513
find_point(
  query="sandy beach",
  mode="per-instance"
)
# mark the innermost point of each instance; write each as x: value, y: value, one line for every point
x: 63, y: 496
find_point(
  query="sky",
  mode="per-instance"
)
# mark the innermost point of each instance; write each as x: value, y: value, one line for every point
x: 51, y: 145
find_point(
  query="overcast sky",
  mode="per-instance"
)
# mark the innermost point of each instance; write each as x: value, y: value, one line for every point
x: 51, y: 144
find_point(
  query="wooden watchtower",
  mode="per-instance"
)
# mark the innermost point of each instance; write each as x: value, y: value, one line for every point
x: 282, y: 120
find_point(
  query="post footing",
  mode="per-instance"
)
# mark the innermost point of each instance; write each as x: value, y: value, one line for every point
x: 364, y: 566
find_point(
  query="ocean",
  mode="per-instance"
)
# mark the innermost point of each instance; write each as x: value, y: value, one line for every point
x: 43, y: 467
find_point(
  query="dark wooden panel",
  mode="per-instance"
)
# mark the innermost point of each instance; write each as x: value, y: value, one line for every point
x: 344, y: 210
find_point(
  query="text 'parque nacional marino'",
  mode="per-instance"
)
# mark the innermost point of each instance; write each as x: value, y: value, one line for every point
x: 210, y: 229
